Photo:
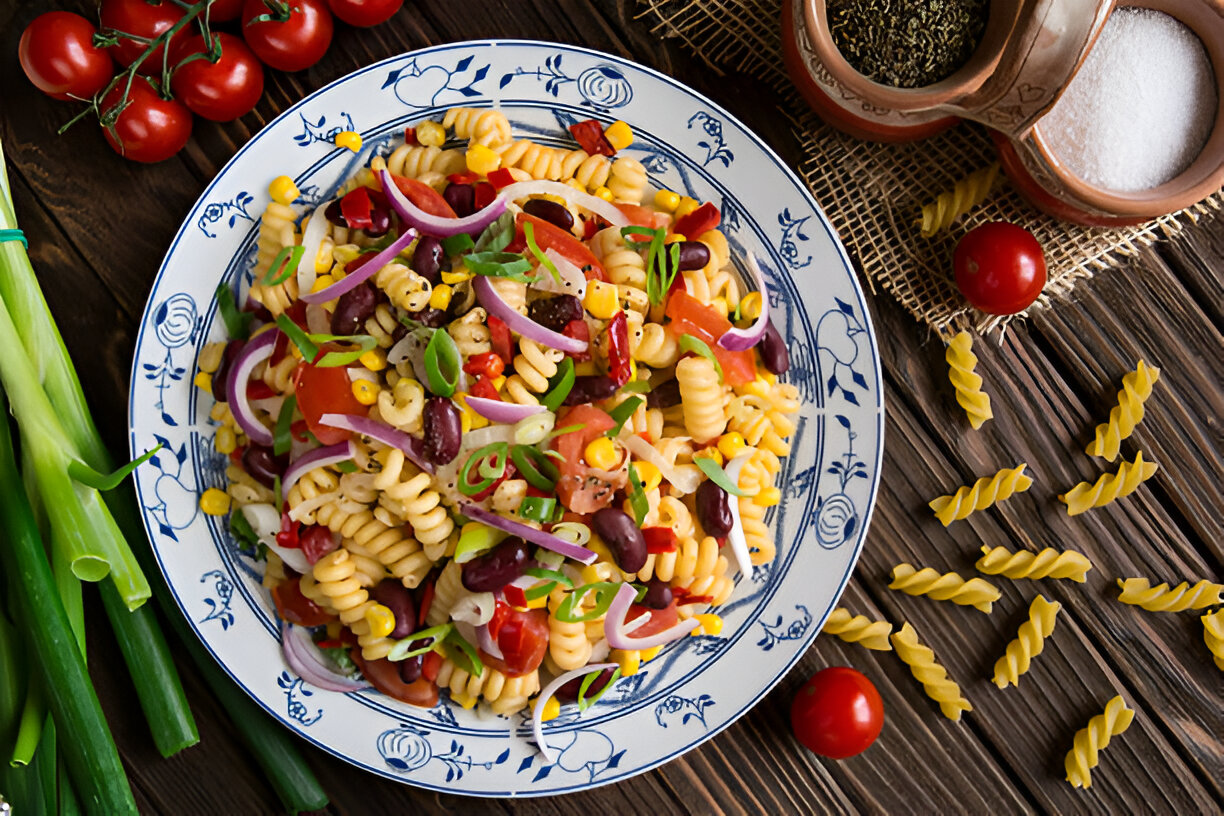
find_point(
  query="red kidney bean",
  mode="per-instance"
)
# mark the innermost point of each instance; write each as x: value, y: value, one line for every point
x: 398, y: 333
x: 568, y: 692
x: 623, y: 537
x: 353, y: 309
x: 427, y: 258
x: 262, y: 465
x: 664, y: 395
x: 658, y: 595
x: 433, y: 318
x: 461, y: 198
x: 392, y: 594
x: 591, y: 388
x: 498, y: 567
x: 550, y: 211
x: 556, y: 312
x: 774, y: 354
x: 713, y: 509
x: 334, y: 215
x: 443, y: 430
x: 693, y: 255
x: 410, y: 669
x: 380, y: 222
x: 220, y: 388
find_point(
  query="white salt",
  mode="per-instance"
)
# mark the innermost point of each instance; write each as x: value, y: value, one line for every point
x: 1140, y: 108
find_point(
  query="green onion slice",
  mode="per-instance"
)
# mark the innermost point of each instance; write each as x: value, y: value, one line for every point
x: 604, y: 592
x: 585, y: 702
x: 335, y: 359
x: 458, y: 244
x: 347, y: 466
x: 534, y: 466
x: 496, y: 452
x: 281, y: 437
x: 456, y: 645
x: 636, y: 387
x: 621, y: 413
x: 476, y: 541
x: 537, y: 508
x: 650, y: 234
x: 637, y: 497
x: 498, y: 235
x: 284, y: 265
x: 539, y: 590
x: 298, y: 336
x: 698, y: 346
x: 237, y: 323
x: 84, y: 474
x: 402, y: 650
x: 443, y: 364
x: 717, y: 475
x: 562, y: 383
x: 550, y: 575
x: 276, y: 493
x: 545, y: 261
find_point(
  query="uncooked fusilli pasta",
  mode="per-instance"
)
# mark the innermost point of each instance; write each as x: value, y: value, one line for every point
x: 1136, y: 388
x: 933, y: 677
x: 859, y: 629
x: 1110, y: 486
x: 1160, y: 598
x: 967, y: 382
x: 945, y: 587
x: 982, y: 494
x: 1048, y: 563
x: 1029, y: 642
x: 1093, y: 738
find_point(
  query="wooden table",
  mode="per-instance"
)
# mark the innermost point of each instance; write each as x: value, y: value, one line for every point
x: 98, y: 228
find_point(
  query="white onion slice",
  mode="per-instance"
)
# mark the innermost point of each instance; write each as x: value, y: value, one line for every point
x: 486, y: 644
x: 537, y: 712
x: 318, y: 457
x: 413, y: 448
x: 304, y: 658
x: 312, y: 239
x: 498, y: 411
x: 743, y: 339
x: 525, y: 326
x: 615, y: 626
x: 736, y: 538
x: 266, y: 523
x: 257, y: 349
x: 475, y: 608
x: 435, y: 224
x: 359, y: 275
x: 610, y: 212
x: 573, y: 282
x: 684, y: 480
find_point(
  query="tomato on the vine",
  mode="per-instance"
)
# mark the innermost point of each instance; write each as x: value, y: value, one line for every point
x: 287, y: 36
x: 1000, y: 268
x: 141, y: 18
x: 224, y: 10
x: 221, y: 90
x: 837, y: 713
x: 58, y: 55
x: 364, y: 13
x: 149, y: 128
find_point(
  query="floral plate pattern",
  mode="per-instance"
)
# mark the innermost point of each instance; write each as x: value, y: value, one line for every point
x: 699, y: 685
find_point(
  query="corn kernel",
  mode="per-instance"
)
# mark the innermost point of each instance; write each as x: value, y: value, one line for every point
x: 283, y: 190
x: 649, y: 474
x: 686, y: 206
x: 667, y: 200
x: 552, y: 709
x: 632, y: 368
x: 324, y: 257
x: 346, y: 252
x: 430, y: 134
x: 365, y: 391
x: 454, y: 276
x: 594, y: 572
x: 464, y: 699
x: 225, y: 441
x: 619, y: 135
x: 750, y: 306
x: 674, y: 238
x: 709, y: 453
x: 465, y: 422
x: 629, y: 660
x: 538, y: 603
x: 711, y: 624
x: 731, y: 445
x: 602, y: 192
x: 719, y: 305
x: 440, y: 297
x: 349, y: 139
x: 373, y: 360
x: 768, y: 497
x: 651, y: 653
x: 380, y: 619
x: 601, y: 300
x: 482, y: 160
x: 203, y: 381
x: 498, y: 381
x: 469, y: 420
x: 601, y: 453
x: 215, y: 502
x: 322, y: 282
x: 333, y: 630
x: 758, y: 387
x: 586, y: 368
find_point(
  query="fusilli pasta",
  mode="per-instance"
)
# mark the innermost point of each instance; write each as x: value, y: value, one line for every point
x: 946, y: 587
x: 1136, y: 388
x: 1029, y: 642
x: 859, y: 629
x: 1093, y: 738
x: 982, y: 494
x: 933, y: 677
x: 1110, y: 486
x: 968, y: 384
x: 1139, y: 592
x: 1048, y: 563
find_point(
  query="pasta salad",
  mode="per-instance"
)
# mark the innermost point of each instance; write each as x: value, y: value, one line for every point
x: 496, y: 426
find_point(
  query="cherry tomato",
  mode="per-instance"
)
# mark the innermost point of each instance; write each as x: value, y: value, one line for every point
x: 58, y: 55
x: 325, y: 391
x: 223, y: 10
x: 384, y: 676
x: 576, y: 491
x: 295, y: 607
x: 1000, y: 268
x: 149, y: 128
x: 523, y: 640
x: 221, y: 90
x: 141, y: 18
x: 837, y: 713
x: 294, y: 36
x: 364, y: 13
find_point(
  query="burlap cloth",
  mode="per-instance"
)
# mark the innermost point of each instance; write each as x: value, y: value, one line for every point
x: 873, y: 193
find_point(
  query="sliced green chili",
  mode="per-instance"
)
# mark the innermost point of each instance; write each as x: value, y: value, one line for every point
x: 585, y: 702
x: 717, y: 475
x: 545, y: 261
x: 335, y: 359
x: 636, y: 387
x: 539, y: 591
x: 298, y: 337
x: 282, y: 438
x: 488, y: 451
x: 347, y: 466
x: 402, y: 650
x: 604, y: 592
x: 621, y: 413
x: 698, y: 346
x: 537, y: 508
x: 284, y: 265
x: 637, y: 497
x: 562, y: 383
x: 550, y: 575
x: 237, y: 323
x: 443, y: 364
x: 534, y: 466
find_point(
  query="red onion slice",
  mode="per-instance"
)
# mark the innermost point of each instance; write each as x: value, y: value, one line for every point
x: 610, y: 212
x: 413, y: 448
x: 525, y: 326
x: 258, y: 349
x: 537, y: 712
x: 362, y: 273
x: 744, y: 339
x: 736, y: 538
x: 546, y: 540
x: 498, y: 411
x: 304, y: 658
x: 435, y: 224
x: 614, y: 625
x: 316, y: 458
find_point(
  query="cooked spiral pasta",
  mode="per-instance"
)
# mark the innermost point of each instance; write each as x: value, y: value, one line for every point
x: 949, y: 586
x: 482, y: 126
x: 950, y: 205
x: 1029, y: 642
x: 471, y: 333
x: 1048, y: 563
x: 1213, y: 636
x: 627, y: 181
x: 656, y: 346
x: 692, y: 558
x: 414, y: 161
x: 505, y: 695
x: 402, y: 482
x: 982, y: 494
x: 859, y: 629
x: 382, y: 325
x: 1139, y: 592
x: 533, y: 367
x: 589, y: 171
x: 448, y: 589
x: 405, y: 288
x: 625, y: 267
x: 403, y: 404
x: 761, y: 546
x: 1093, y: 738
x: 277, y: 230
x: 390, y: 544
x: 933, y: 677
x: 314, y: 489
x: 336, y: 576
x: 567, y: 642
x: 1110, y: 486
x: 702, y: 396
x: 244, y: 489
x: 968, y: 384
x: 538, y: 161
x: 1136, y: 388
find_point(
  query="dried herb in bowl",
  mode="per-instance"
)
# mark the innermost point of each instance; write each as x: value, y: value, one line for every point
x: 907, y: 43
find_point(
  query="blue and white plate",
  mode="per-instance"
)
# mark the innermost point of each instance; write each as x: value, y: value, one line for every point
x: 699, y: 685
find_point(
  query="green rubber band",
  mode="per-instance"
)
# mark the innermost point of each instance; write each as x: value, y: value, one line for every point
x: 14, y: 235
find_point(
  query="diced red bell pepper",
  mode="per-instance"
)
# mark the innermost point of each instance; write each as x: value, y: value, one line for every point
x: 550, y: 236
x: 484, y: 194
x: 499, y: 337
x: 699, y: 221
x: 288, y: 537
x: 659, y: 539
x: 484, y: 389
x: 578, y: 330
x: 258, y: 389
x: 356, y: 208
x: 590, y: 137
x: 235, y: 456
x: 462, y: 178
x: 515, y: 596
x: 501, y: 177
x: 427, y: 596
x: 488, y: 364
x: 619, y: 367
x: 410, y: 136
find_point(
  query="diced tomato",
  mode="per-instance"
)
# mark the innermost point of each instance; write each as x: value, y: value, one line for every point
x: 331, y: 643
x: 258, y: 389
x: 690, y: 316
x: 316, y: 542
x: 484, y: 194
x: 699, y: 221
x: 501, y: 177
x: 427, y: 596
x: 424, y: 196
x: 660, y: 619
x: 499, y: 337
x: 578, y: 330
x: 550, y: 236
x: 325, y: 391
x: 591, y: 226
x: 641, y: 216
x: 295, y: 607
x: 516, y: 596
x: 431, y: 662
x: 289, y: 536
x: 410, y: 135
x: 619, y: 367
x: 235, y: 456
x: 356, y: 208
x: 523, y: 639
x: 590, y: 137
x: 659, y: 539
x: 483, y: 388
x: 487, y: 364
x: 577, y: 489
x: 384, y: 676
